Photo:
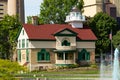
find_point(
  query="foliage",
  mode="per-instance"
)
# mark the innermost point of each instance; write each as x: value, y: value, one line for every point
x: 8, y: 69
x: 55, y: 11
x: 116, y: 39
x: 29, y: 19
x: 101, y: 25
x: 9, y: 27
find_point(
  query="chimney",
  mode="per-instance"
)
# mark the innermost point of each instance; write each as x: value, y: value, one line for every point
x: 35, y: 20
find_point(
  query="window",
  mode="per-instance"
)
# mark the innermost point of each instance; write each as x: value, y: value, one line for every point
x: 77, y: 14
x: 83, y: 55
x: 23, y: 32
x: 43, y: 55
x: 60, y: 56
x: 1, y: 4
x: 1, y: 13
x: 19, y: 55
x: 65, y: 43
x: 1, y: 9
x: 27, y: 55
x: 19, y: 43
x: 23, y: 43
x: 27, y: 43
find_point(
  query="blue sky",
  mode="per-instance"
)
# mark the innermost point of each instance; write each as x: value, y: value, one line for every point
x: 32, y: 7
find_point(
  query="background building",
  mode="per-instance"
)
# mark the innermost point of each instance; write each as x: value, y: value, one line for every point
x: 3, y: 8
x: 12, y: 7
x: 117, y: 4
x: 91, y: 7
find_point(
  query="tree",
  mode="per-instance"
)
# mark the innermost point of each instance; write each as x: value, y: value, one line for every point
x: 55, y: 11
x: 9, y: 27
x: 101, y: 25
x: 29, y: 19
x: 8, y: 69
x: 116, y: 39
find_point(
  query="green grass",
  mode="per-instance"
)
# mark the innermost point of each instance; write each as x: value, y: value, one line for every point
x: 67, y: 73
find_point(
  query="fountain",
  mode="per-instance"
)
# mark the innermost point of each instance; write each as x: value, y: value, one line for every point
x: 112, y: 70
x: 116, y: 65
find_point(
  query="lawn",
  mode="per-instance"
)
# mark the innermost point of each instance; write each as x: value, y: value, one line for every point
x: 63, y: 73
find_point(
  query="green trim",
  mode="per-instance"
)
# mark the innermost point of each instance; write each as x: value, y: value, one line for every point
x: 19, y: 31
x: 59, y: 33
x: 55, y: 40
x: 41, y: 40
x: 85, y: 40
x: 65, y: 35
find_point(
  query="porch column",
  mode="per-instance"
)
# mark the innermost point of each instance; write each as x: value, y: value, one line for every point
x: 64, y: 57
x: 74, y: 57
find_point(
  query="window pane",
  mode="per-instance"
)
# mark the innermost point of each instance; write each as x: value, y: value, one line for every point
x: 27, y: 55
x: 23, y: 43
x: 19, y: 55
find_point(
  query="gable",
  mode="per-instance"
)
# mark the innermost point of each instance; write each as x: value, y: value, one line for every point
x: 22, y: 34
x: 65, y: 32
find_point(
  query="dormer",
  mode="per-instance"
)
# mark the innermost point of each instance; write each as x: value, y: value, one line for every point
x: 65, y: 39
x: 75, y: 18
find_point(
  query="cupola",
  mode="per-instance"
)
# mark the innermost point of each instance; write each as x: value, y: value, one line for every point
x: 75, y: 18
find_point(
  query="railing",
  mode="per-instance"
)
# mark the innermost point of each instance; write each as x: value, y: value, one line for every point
x: 76, y: 18
x: 64, y: 61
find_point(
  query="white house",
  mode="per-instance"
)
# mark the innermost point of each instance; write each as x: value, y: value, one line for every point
x: 51, y: 45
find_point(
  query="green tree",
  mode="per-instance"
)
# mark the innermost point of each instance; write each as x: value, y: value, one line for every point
x: 116, y: 39
x: 101, y: 25
x: 9, y: 27
x: 55, y: 11
x: 8, y: 69
x: 29, y: 19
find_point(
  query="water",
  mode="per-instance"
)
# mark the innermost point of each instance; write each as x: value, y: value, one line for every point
x: 116, y: 68
x: 112, y: 70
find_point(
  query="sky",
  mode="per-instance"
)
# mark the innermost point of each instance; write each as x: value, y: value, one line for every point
x: 32, y: 7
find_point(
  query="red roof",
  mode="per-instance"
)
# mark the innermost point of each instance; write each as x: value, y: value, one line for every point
x: 46, y: 31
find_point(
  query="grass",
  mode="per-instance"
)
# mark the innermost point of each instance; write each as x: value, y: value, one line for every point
x: 63, y: 73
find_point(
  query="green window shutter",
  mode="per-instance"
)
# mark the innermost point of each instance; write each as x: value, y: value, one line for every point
x: 39, y: 57
x: 23, y: 43
x: 19, y: 43
x: 83, y: 55
x: 27, y: 55
x: 19, y: 55
x: 43, y: 55
x: 47, y: 56
x: 26, y: 43
x: 80, y: 56
x: 88, y: 56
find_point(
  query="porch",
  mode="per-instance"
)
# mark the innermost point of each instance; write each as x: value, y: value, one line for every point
x: 64, y: 57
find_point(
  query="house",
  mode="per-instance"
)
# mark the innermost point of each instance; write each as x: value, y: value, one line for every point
x: 52, y: 45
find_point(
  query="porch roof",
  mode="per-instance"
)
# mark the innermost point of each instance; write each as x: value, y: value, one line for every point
x: 61, y: 51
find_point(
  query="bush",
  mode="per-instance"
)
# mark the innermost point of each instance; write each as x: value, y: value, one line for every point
x: 93, y: 66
